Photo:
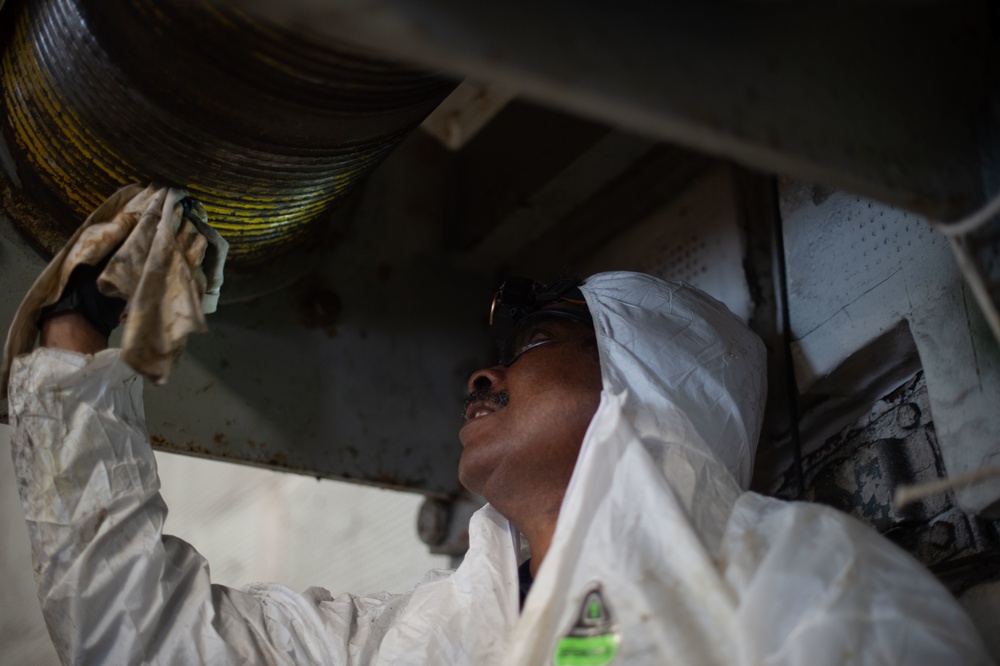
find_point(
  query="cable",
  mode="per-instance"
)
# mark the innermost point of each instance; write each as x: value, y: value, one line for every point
x: 975, y: 281
x: 969, y: 224
x: 907, y: 494
x: 956, y: 232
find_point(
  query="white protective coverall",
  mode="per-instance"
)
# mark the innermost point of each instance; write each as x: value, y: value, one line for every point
x: 690, y: 568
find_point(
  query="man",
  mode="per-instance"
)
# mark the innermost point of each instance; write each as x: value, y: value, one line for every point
x: 616, y: 437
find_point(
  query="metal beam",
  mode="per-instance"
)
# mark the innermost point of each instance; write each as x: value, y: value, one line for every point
x: 886, y: 100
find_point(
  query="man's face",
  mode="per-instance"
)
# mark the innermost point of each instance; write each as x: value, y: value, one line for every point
x: 528, y: 446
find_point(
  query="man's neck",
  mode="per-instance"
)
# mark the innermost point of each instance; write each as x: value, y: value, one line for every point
x: 538, y: 531
x: 538, y: 552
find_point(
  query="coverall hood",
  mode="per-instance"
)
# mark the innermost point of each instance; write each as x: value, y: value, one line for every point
x: 690, y: 372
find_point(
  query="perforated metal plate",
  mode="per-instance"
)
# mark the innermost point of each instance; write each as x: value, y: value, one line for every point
x: 857, y: 270
x: 694, y: 238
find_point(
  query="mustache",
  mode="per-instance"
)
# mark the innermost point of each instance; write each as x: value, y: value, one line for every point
x: 499, y: 398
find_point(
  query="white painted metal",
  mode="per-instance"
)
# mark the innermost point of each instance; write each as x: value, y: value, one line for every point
x: 856, y: 269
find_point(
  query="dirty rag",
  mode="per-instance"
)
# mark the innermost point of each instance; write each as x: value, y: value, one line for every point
x: 165, y: 263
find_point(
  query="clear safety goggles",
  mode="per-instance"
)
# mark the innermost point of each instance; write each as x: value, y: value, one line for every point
x: 521, y: 303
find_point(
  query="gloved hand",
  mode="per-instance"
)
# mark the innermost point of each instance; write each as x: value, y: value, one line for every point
x: 104, y: 312
x: 157, y: 253
x: 82, y: 296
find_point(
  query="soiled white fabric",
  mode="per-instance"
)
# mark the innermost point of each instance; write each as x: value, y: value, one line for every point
x: 693, y: 569
x: 168, y: 266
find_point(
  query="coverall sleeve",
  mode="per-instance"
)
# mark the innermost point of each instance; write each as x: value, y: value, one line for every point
x: 113, y: 588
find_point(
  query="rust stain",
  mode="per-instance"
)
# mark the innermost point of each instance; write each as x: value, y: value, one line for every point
x: 383, y: 478
x: 191, y: 447
x: 279, y: 459
x: 317, y: 303
x: 219, y: 438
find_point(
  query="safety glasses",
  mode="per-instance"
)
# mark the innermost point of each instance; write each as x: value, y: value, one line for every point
x: 521, y: 303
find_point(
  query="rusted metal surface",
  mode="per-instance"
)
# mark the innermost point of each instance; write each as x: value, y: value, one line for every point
x: 444, y: 524
x: 318, y: 304
x: 858, y: 469
x: 268, y: 127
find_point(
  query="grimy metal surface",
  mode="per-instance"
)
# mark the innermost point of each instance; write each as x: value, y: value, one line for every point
x: 891, y: 103
x: 268, y: 127
x: 867, y: 276
x: 895, y: 443
x: 357, y: 371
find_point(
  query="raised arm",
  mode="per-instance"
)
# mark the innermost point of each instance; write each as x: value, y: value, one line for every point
x: 113, y: 588
x: 71, y: 331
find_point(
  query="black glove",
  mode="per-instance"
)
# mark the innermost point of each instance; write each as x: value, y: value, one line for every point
x: 82, y: 296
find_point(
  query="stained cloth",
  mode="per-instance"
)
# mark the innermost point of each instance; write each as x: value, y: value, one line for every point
x: 161, y: 256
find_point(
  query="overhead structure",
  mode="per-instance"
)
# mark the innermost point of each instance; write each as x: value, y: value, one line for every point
x: 896, y: 104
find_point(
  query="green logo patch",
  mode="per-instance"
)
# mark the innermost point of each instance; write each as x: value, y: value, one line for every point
x: 586, y: 650
x: 592, y: 641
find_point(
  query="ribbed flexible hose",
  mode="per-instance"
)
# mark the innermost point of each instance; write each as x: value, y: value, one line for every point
x: 268, y: 127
